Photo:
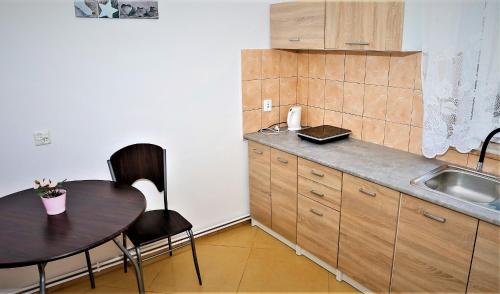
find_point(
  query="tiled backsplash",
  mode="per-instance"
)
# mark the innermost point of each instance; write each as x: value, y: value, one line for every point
x: 376, y: 95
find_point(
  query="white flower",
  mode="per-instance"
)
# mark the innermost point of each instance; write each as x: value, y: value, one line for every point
x: 44, y: 183
x: 36, y: 184
x: 52, y: 184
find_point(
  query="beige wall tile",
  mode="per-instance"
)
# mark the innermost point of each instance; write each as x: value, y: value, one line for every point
x: 353, y: 123
x: 315, y: 116
x: 251, y: 94
x: 335, y: 65
x: 251, y: 62
x: 399, y: 105
x: 251, y: 121
x: 397, y: 136
x: 415, y: 145
x: 353, y: 98
x: 288, y: 64
x: 402, y: 70
x: 288, y: 91
x: 333, y: 118
x: 334, y: 95
x: 270, y: 118
x: 270, y: 64
x: 417, y: 113
x: 377, y: 68
x: 455, y: 157
x: 491, y: 166
x: 418, y: 72
x: 302, y: 90
x: 271, y: 90
x: 284, y: 113
x: 317, y: 64
x: 303, y: 64
x: 303, y: 115
x: 373, y: 130
x: 355, y: 66
x: 375, y: 102
x: 316, y: 93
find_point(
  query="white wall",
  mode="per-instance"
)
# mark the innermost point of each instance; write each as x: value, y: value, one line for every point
x: 100, y: 84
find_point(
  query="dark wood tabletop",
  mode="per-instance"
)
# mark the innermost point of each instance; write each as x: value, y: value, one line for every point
x: 96, y: 212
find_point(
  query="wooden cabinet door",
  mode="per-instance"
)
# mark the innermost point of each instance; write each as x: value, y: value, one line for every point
x: 259, y: 165
x: 485, y: 271
x: 364, y: 25
x: 367, y: 232
x: 298, y: 25
x: 318, y: 229
x: 433, y: 248
x: 284, y: 194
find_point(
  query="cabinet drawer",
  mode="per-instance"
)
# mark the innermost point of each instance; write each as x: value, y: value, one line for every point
x: 367, y: 232
x: 433, y: 248
x: 321, y: 174
x: 326, y: 196
x: 318, y: 229
x: 284, y: 194
x: 259, y: 169
x: 259, y: 152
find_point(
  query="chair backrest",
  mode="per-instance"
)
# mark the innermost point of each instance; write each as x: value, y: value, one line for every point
x: 140, y: 161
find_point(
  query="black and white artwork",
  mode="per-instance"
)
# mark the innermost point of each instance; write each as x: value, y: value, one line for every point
x: 138, y: 9
x: 116, y: 8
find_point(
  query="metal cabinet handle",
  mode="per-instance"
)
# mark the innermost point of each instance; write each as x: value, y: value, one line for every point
x: 312, y: 210
x: 282, y: 160
x: 318, y: 174
x: 433, y: 217
x: 317, y: 193
x: 258, y: 151
x: 371, y: 194
x: 296, y: 39
x: 364, y: 43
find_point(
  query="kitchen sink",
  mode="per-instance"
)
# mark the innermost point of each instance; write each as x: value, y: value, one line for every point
x: 464, y: 184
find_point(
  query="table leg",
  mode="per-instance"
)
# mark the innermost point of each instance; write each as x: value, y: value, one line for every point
x: 41, y: 273
x: 138, y: 271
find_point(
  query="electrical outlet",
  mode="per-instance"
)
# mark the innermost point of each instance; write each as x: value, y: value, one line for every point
x: 41, y: 138
x: 267, y: 105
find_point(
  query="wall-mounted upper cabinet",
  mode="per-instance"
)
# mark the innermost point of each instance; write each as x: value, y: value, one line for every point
x: 298, y: 25
x: 391, y: 25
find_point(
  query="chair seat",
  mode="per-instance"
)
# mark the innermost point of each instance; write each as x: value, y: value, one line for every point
x: 155, y: 225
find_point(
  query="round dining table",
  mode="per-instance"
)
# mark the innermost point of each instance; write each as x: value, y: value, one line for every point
x: 96, y: 212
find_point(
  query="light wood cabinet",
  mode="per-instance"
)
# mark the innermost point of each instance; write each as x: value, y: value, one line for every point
x: 433, y: 248
x: 318, y: 229
x: 321, y: 193
x: 485, y: 271
x: 367, y: 232
x: 321, y: 174
x: 259, y: 166
x: 298, y: 25
x: 284, y: 194
x: 364, y: 25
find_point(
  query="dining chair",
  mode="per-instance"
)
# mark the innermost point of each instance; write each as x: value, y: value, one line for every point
x: 148, y: 161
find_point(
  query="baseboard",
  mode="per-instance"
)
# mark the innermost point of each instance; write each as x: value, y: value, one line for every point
x: 340, y: 276
x: 117, y: 261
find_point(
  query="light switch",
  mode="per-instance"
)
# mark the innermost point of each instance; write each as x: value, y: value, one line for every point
x: 267, y: 105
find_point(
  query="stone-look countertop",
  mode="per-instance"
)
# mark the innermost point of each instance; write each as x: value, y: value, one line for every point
x: 379, y: 164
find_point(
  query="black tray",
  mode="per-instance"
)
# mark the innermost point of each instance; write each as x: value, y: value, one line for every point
x: 323, y: 134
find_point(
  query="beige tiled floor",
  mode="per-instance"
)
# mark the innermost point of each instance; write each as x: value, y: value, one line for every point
x: 241, y: 259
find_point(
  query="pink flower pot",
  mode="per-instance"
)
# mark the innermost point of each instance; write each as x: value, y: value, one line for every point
x: 55, y: 205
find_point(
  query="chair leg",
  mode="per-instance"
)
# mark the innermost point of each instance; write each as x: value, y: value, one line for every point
x: 139, y: 259
x: 195, y: 259
x: 124, y: 256
x: 89, y: 267
x: 170, y: 245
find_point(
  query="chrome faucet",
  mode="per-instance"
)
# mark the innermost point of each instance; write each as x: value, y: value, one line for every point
x: 480, y: 162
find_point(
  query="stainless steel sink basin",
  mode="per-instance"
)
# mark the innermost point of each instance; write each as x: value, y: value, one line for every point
x: 464, y: 184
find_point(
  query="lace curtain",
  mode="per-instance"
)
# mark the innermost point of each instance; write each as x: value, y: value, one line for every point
x: 461, y: 74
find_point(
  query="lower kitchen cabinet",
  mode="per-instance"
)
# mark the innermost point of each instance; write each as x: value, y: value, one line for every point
x: 485, y: 271
x: 318, y: 229
x: 284, y: 194
x: 259, y: 169
x: 368, y: 223
x: 433, y: 248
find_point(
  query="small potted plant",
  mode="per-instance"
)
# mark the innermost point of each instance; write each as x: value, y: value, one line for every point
x: 52, y: 194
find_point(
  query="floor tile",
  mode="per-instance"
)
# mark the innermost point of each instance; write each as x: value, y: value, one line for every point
x: 241, y: 236
x: 264, y: 240
x: 275, y: 270
x: 221, y: 269
x: 335, y: 286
